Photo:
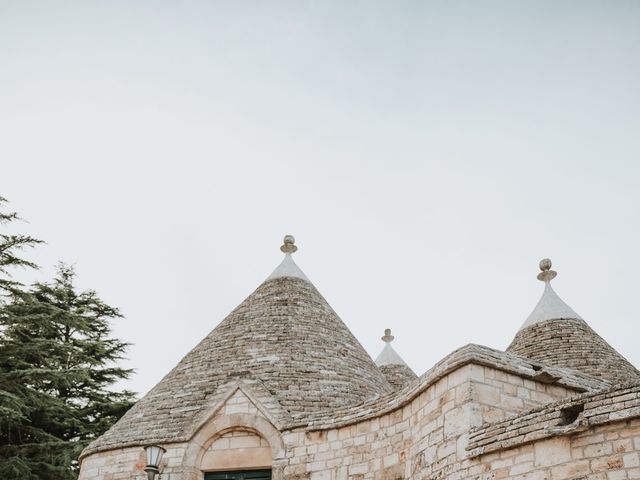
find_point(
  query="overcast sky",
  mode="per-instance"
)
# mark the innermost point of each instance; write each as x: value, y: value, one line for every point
x: 426, y: 156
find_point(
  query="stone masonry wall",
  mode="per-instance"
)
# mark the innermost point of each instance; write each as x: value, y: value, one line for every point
x: 128, y: 463
x: 237, y: 449
x: 605, y: 452
x: 564, y: 417
x: 501, y: 395
x: 427, y: 438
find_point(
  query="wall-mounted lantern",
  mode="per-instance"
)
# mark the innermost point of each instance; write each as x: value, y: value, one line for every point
x: 154, y: 457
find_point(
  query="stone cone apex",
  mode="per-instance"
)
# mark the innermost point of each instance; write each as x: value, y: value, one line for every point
x: 556, y: 335
x: 394, y: 368
x: 285, y: 337
x: 550, y: 307
x: 288, y: 268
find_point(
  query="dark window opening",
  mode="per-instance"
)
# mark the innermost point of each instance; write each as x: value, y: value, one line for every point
x: 239, y: 475
x: 569, y: 415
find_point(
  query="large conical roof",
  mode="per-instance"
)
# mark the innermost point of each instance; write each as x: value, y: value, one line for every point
x: 554, y: 334
x: 284, y: 336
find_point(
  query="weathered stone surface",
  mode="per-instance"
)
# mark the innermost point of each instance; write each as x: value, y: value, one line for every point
x: 398, y: 375
x: 237, y: 449
x: 501, y: 362
x: 559, y: 418
x: 285, y: 336
x: 281, y: 383
x: 428, y: 437
x: 571, y: 343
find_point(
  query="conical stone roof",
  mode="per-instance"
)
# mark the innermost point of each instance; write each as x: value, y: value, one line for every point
x: 285, y: 336
x: 555, y: 335
x: 392, y: 366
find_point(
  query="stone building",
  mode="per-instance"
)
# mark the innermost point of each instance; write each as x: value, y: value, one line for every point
x: 281, y: 389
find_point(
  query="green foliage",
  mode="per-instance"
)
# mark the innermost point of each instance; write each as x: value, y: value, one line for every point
x: 57, y: 362
x: 10, y: 248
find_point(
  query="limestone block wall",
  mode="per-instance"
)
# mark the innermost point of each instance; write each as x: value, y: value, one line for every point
x: 230, y: 444
x: 426, y: 436
x: 605, y: 452
x: 237, y: 449
x: 459, y: 426
x: 501, y: 394
x: 129, y: 463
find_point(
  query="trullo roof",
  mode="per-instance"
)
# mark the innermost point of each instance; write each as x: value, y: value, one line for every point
x: 555, y: 335
x: 284, y: 337
x: 393, y: 367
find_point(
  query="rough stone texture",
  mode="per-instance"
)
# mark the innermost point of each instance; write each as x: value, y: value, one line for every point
x: 564, y: 417
x: 603, y: 452
x: 283, y: 335
x: 571, y: 343
x: 237, y: 449
x: 282, y: 383
x: 426, y: 438
x: 398, y: 375
x: 510, y: 364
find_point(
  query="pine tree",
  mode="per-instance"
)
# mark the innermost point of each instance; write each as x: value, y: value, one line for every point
x: 13, y: 406
x: 57, y: 359
x: 10, y: 246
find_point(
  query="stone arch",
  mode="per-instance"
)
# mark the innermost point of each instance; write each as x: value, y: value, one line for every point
x: 220, y: 426
x: 236, y: 448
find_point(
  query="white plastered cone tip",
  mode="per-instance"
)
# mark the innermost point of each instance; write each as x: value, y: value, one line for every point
x: 550, y: 306
x: 288, y: 268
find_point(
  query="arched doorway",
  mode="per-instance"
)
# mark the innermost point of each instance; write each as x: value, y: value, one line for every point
x: 201, y: 457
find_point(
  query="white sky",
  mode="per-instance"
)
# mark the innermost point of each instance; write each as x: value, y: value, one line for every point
x: 425, y: 155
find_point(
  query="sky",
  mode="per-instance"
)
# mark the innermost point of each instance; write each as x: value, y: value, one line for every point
x: 426, y: 155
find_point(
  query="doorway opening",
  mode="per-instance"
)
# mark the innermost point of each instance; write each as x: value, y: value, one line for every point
x: 239, y: 475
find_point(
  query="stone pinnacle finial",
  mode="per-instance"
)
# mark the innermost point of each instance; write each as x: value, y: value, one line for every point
x: 288, y: 245
x: 546, y: 274
x: 388, y: 338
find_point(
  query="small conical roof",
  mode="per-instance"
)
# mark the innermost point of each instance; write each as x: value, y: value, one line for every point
x: 394, y: 368
x: 556, y: 335
x: 285, y: 336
